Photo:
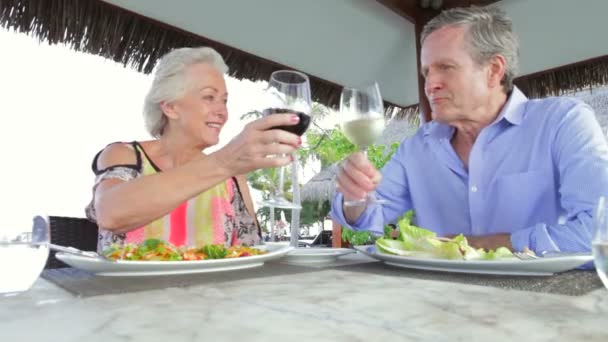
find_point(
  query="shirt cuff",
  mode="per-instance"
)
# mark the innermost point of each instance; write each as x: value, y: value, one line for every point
x: 536, y: 238
x: 369, y: 220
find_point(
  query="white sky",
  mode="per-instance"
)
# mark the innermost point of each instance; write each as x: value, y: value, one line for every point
x: 59, y: 108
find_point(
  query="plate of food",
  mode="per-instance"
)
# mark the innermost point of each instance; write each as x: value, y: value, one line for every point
x: 155, y: 257
x: 312, y: 255
x: 419, y: 248
x: 542, y: 266
x: 316, y: 255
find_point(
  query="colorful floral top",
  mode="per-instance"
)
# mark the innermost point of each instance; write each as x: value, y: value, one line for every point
x: 216, y: 216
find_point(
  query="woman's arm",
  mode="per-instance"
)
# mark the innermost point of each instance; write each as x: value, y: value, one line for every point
x: 123, y: 206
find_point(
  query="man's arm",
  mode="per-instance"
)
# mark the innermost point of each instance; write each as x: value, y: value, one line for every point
x: 580, y: 154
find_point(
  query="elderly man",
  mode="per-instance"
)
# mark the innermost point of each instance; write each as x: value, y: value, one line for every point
x: 499, y: 168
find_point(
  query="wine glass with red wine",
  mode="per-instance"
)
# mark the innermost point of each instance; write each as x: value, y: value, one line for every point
x: 288, y: 92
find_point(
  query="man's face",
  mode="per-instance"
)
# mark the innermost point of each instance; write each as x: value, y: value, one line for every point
x: 456, y: 86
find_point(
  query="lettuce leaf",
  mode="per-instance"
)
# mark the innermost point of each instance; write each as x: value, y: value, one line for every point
x: 397, y: 247
x: 447, y: 250
x: 418, y: 241
x: 499, y: 253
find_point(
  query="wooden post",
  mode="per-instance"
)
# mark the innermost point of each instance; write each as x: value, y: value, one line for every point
x: 336, y: 235
x: 423, y: 102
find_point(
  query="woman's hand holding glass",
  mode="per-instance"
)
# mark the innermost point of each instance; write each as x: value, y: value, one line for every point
x: 250, y: 150
x: 288, y: 91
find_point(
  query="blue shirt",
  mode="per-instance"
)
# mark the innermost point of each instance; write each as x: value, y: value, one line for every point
x: 536, y: 172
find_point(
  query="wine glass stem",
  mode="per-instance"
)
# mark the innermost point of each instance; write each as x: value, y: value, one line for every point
x: 281, y: 188
x: 364, y: 150
x: 295, y: 212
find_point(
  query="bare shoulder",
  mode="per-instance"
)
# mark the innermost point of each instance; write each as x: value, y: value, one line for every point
x: 117, y: 154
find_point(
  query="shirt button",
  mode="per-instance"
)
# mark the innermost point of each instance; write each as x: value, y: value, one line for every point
x: 473, y: 188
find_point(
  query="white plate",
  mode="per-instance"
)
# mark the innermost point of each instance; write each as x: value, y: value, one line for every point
x: 511, y: 266
x: 318, y: 255
x: 151, y: 268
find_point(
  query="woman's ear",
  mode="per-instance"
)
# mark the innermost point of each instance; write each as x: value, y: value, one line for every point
x: 169, y: 109
x: 496, y: 70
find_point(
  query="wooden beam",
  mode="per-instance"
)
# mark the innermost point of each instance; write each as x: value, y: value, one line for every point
x: 413, y: 12
x: 465, y: 3
x: 407, y: 9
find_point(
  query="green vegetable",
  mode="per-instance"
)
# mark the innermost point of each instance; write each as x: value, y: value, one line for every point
x: 356, y: 237
x: 391, y: 246
x: 499, y: 253
x: 214, y: 251
x: 416, y: 241
x: 347, y: 234
x: 388, y: 231
x: 151, y: 244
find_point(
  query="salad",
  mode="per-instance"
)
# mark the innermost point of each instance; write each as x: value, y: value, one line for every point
x: 416, y: 241
x: 159, y: 250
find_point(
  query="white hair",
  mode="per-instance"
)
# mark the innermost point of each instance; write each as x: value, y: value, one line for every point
x: 489, y: 33
x: 170, y: 82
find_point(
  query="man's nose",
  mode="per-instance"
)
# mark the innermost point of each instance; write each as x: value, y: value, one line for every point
x: 432, y: 83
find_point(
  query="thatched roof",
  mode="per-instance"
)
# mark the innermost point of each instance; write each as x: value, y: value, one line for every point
x: 598, y: 100
x: 99, y: 28
x: 322, y: 186
x: 589, y: 73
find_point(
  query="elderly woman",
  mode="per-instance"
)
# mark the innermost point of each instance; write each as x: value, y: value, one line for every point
x: 167, y: 188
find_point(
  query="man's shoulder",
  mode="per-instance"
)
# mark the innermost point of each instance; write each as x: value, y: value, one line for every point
x: 418, y: 137
x: 555, y: 104
x: 556, y: 109
x: 418, y: 143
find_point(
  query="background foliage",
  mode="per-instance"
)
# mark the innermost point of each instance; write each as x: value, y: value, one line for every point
x: 328, y: 146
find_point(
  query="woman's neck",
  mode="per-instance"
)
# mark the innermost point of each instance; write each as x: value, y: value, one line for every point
x: 177, y: 149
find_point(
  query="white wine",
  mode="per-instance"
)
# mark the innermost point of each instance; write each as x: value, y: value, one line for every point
x: 364, y: 131
x: 600, y: 256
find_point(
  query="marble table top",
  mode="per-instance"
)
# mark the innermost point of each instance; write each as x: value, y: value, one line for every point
x: 327, y: 304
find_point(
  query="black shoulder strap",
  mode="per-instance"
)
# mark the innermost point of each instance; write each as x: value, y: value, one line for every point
x: 135, y: 145
x: 137, y: 166
x: 137, y: 154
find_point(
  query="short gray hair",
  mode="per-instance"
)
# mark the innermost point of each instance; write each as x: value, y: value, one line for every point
x: 489, y: 33
x: 170, y: 82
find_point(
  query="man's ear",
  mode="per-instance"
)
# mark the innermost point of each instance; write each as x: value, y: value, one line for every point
x: 497, y: 67
x: 169, y: 109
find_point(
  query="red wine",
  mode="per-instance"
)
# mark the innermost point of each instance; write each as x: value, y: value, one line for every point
x: 298, y: 128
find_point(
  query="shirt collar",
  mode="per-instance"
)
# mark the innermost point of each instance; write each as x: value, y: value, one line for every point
x: 513, y: 111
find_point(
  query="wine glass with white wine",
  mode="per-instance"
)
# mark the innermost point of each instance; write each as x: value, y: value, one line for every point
x: 362, y: 122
